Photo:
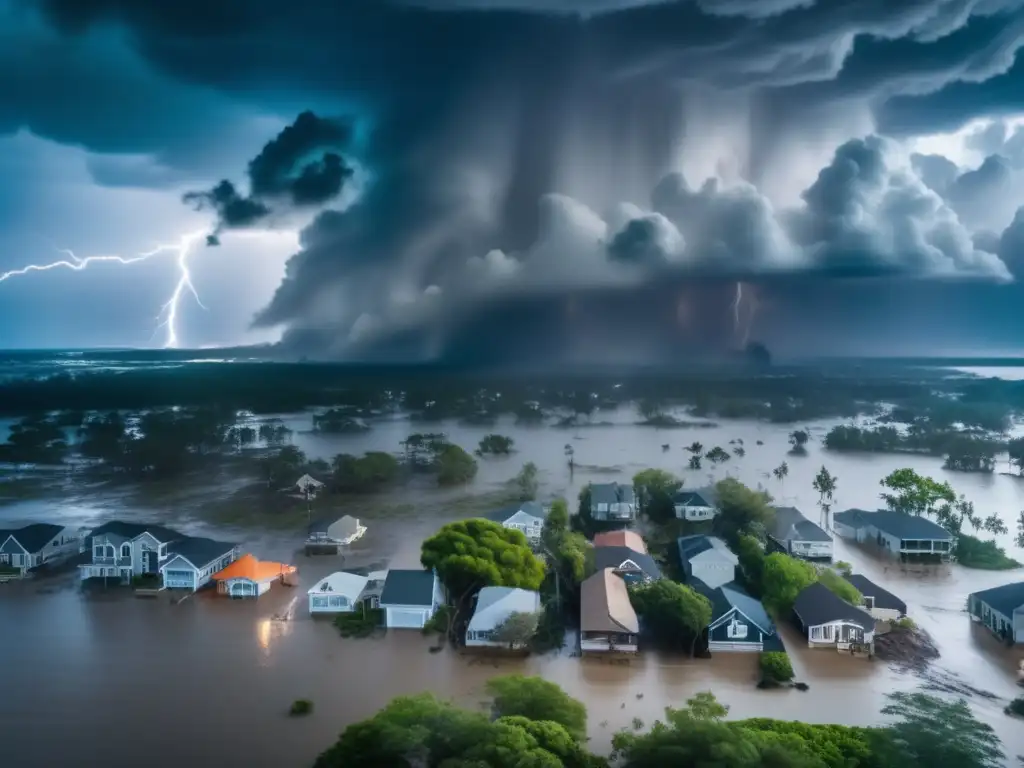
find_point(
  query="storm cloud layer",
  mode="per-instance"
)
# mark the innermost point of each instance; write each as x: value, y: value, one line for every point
x: 532, y: 160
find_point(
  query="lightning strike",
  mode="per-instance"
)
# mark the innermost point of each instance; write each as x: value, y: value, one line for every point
x: 168, y: 316
x: 741, y: 327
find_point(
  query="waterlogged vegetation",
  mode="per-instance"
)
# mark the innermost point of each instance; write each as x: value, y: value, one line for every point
x: 530, y: 721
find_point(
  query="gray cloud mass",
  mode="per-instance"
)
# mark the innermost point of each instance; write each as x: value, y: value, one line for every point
x: 538, y: 159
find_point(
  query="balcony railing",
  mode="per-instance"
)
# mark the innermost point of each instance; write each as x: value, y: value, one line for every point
x: 118, y: 561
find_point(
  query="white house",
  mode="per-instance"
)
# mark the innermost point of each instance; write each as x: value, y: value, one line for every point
x: 338, y: 593
x: 249, y: 577
x: 122, y: 550
x: 612, y: 501
x: 192, y: 561
x: 410, y: 598
x: 881, y: 604
x: 707, y: 558
x: 899, y: 535
x: 33, y: 545
x: 829, y: 621
x: 493, y: 606
x: 527, y: 517
x: 797, y: 536
x: 608, y: 622
x: 1001, y: 609
x: 696, y: 505
x: 308, y: 486
x: 334, y: 533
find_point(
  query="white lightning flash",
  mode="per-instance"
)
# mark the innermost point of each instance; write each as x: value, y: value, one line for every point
x: 741, y: 327
x: 168, y: 316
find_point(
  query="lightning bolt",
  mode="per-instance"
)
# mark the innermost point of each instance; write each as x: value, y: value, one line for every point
x: 168, y: 317
x: 741, y: 329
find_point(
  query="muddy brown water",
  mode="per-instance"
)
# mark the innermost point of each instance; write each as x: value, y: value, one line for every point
x: 105, y: 678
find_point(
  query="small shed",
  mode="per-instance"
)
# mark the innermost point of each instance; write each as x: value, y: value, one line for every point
x: 249, y: 577
x: 308, y: 486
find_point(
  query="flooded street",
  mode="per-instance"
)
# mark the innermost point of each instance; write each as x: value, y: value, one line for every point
x: 210, y: 681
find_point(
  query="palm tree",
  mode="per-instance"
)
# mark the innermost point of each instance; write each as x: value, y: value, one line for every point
x: 825, y: 484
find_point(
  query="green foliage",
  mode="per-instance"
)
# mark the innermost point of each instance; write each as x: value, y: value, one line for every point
x: 825, y: 484
x: 495, y: 445
x: 962, y: 451
x: 438, y: 623
x: 282, y: 467
x: 675, y: 613
x: 905, y: 623
x: 550, y: 634
x: 836, y: 746
x: 784, y: 578
x: 751, y: 560
x: 798, y: 440
x: 455, y: 466
x: 338, y: 421
x: 941, y: 734
x: 359, y: 623
x: 972, y: 552
x: 717, y: 455
x: 775, y: 667
x: 537, y: 699
x: 471, y: 554
x: 371, y: 471
x: 742, y: 510
x: 1015, y: 449
x: 556, y: 524
x: 844, y: 567
x: 517, y: 630
x: 525, y: 482
x: 1016, y: 707
x: 654, y: 491
x: 566, y: 550
x: 301, y: 707
x: 914, y: 494
x: 840, y: 586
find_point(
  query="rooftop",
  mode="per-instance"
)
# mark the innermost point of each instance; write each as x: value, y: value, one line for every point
x: 123, y: 530
x: 701, y: 497
x: 614, y: 557
x: 792, y: 525
x: 408, y: 587
x: 1005, y: 599
x: 494, y: 604
x: 33, y: 537
x: 532, y: 508
x: 248, y: 567
x: 611, y: 493
x: 200, y: 551
x: 898, y: 524
x: 605, y: 605
x: 883, y: 598
x: 691, y: 546
x: 350, y: 585
x: 817, y: 604
x: 630, y: 539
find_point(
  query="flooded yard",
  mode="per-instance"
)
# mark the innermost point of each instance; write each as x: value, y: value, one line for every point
x: 210, y: 680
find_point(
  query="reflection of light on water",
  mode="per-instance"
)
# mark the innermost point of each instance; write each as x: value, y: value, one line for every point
x: 277, y: 626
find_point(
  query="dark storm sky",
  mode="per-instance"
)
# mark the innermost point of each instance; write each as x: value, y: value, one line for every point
x: 566, y: 180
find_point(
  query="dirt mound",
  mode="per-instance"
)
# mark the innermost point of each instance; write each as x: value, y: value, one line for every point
x: 908, y: 649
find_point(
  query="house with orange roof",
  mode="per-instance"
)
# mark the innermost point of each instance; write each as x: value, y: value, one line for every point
x: 623, y: 538
x: 249, y: 577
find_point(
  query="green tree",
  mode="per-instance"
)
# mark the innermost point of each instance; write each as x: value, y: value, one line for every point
x: 371, y: 471
x: 825, y: 484
x: 274, y: 433
x: 495, y: 445
x: 750, y: 553
x: 517, y: 629
x: 654, y: 491
x: 525, y: 482
x: 784, y: 578
x: 717, y: 455
x: 781, y: 472
x: 1019, y: 539
x: 694, y: 462
x: 674, y: 612
x: 282, y: 467
x: 104, y: 438
x: 1015, y: 450
x: 741, y: 510
x: 695, y: 448
x: 798, y: 440
x: 914, y: 494
x: 471, y: 554
x: 937, y: 733
x: 537, y: 699
x: 455, y: 466
x: 840, y: 586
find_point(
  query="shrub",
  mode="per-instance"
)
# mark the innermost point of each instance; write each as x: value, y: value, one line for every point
x: 905, y: 623
x: 438, y: 623
x: 775, y: 667
x: 356, y: 624
x: 844, y: 568
x: 1016, y: 707
x: 300, y: 707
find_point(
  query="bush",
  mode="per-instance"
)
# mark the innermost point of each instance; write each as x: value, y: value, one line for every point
x: 358, y: 624
x: 775, y: 667
x: 438, y: 623
x: 972, y: 552
x: 301, y: 707
x: 1016, y: 707
x: 840, y: 586
x: 905, y: 623
x: 844, y: 568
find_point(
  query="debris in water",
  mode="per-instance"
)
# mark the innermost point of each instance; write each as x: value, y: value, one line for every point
x: 907, y: 649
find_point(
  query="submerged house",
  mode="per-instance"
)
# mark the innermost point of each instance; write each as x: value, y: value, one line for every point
x: 410, y: 598
x: 339, y: 592
x: 909, y: 538
x: 1001, y: 609
x: 329, y: 535
x: 612, y: 501
x: 123, y: 551
x: 527, y: 517
x: 880, y: 603
x: 192, y: 561
x: 828, y: 621
x: 696, y: 505
x: 739, y: 622
x: 707, y: 558
x: 249, y: 577
x: 634, y: 567
x: 31, y: 546
x: 608, y: 622
x: 493, y: 607
x: 308, y: 486
x: 797, y: 536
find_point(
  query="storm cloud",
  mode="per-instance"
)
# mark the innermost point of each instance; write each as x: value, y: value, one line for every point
x: 527, y: 156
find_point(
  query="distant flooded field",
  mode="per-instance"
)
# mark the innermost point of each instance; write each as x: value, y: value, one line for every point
x: 210, y: 681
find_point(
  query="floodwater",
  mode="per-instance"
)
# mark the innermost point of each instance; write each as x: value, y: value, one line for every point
x: 210, y: 680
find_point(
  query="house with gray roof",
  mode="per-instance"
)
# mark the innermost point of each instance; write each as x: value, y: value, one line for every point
x: 882, y: 604
x: 828, y: 621
x: 899, y: 535
x: 527, y: 517
x: 701, y: 504
x: 739, y: 622
x: 192, y: 561
x: 494, y: 606
x: 797, y: 536
x: 1001, y: 610
x: 410, y: 598
x: 612, y: 501
x: 31, y: 546
x: 707, y: 558
x: 634, y: 567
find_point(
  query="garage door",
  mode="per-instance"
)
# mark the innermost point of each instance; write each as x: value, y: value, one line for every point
x: 406, y: 619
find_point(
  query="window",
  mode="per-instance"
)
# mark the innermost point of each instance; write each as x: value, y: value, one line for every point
x: 869, y: 602
x: 737, y: 630
x: 126, y: 550
x: 319, y: 602
x: 337, y: 601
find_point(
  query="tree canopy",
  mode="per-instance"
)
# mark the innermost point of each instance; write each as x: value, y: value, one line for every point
x: 741, y: 510
x: 654, y: 491
x: 676, y: 614
x: 538, y: 699
x: 471, y: 554
x: 783, y: 578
